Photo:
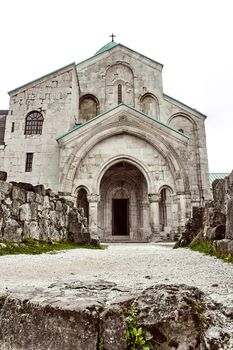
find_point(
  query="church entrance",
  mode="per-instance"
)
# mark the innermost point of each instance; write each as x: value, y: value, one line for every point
x: 123, y: 209
x: 120, y: 218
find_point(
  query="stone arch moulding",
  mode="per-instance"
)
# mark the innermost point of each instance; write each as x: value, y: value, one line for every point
x: 75, y: 192
x: 184, y: 115
x: 123, y: 158
x: 174, y: 162
x: 150, y: 109
x: 120, y: 64
x: 167, y: 187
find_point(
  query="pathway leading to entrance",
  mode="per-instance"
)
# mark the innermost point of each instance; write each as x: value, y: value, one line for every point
x: 132, y: 265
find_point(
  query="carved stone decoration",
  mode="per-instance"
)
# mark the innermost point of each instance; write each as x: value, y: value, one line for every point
x: 154, y: 197
x: 122, y: 118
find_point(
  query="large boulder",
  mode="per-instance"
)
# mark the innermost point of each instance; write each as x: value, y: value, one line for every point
x: 13, y: 231
x: 83, y: 315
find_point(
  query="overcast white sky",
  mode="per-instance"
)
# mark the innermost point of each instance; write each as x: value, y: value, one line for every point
x: 192, y: 38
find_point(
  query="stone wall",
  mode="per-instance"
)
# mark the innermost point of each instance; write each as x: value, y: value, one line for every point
x: 215, y: 221
x: 31, y: 211
x: 55, y: 96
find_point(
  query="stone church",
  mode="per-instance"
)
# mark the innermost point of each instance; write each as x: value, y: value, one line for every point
x: 104, y: 133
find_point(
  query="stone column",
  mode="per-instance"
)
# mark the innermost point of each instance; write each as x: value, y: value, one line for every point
x: 93, y: 200
x: 154, y: 213
x: 145, y: 215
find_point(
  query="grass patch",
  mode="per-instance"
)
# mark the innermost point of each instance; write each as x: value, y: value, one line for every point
x: 31, y: 246
x: 207, y: 248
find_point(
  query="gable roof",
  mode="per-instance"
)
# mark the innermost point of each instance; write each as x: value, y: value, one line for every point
x: 80, y: 125
x: 111, y: 45
x: 44, y: 77
x: 183, y: 104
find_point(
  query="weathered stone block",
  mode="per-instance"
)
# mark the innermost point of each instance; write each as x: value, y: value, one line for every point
x: 223, y: 247
x: 46, y: 204
x: 3, y: 175
x: 229, y: 223
x: 45, y: 327
x: 39, y: 189
x: 18, y: 194
x: 13, y: 231
x: 26, y: 186
x: 25, y: 212
x: 216, y: 233
x: 31, y: 196
x: 45, y: 228
x: 2, y: 196
x: 5, y: 187
x: 32, y: 230
x: 59, y: 206
x: 39, y: 199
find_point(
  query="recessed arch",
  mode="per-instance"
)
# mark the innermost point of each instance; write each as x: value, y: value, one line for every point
x: 82, y: 201
x: 165, y: 208
x: 88, y: 107
x: 150, y: 105
x: 119, y: 85
x: 131, y: 160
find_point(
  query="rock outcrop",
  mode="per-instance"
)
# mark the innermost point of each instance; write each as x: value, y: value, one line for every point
x: 214, y: 222
x: 79, y: 315
x: 32, y: 211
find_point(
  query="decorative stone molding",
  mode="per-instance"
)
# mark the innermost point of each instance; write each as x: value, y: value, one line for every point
x: 153, y: 197
x: 93, y: 198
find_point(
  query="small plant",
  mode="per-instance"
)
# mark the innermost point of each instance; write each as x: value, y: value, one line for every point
x: 101, y: 344
x: 134, y: 335
x: 207, y: 248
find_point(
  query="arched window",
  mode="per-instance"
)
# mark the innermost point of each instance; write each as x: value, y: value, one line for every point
x: 119, y: 93
x: 34, y: 123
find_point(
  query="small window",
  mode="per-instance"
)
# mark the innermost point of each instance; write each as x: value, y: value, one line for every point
x: 29, y: 158
x: 119, y: 93
x: 34, y: 123
x: 12, y: 126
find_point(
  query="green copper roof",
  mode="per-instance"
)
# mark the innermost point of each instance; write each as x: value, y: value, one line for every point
x: 79, y: 125
x: 217, y: 176
x: 106, y: 47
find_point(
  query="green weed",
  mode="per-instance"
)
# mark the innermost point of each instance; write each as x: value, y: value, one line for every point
x: 31, y: 246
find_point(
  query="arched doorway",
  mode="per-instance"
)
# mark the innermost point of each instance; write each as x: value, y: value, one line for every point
x: 123, y: 210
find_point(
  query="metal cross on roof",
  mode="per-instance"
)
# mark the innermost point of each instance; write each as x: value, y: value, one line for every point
x: 112, y: 36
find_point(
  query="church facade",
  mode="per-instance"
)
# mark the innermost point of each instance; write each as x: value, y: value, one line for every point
x: 104, y: 133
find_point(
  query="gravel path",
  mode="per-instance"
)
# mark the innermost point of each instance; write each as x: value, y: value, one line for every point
x: 132, y: 265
